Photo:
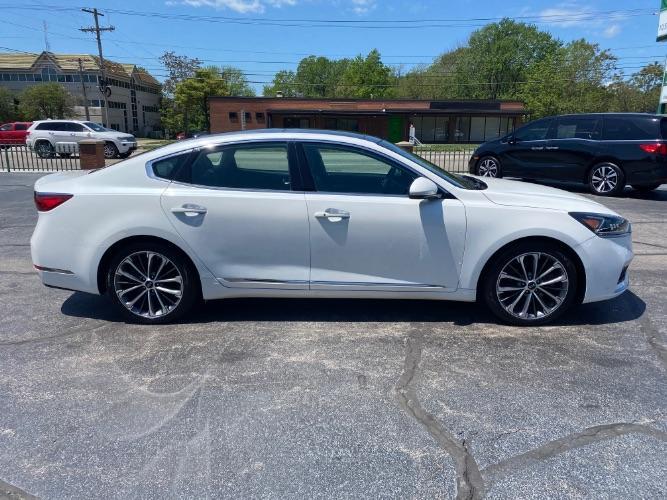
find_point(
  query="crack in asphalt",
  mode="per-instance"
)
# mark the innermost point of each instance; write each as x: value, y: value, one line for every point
x: 548, y: 450
x: 469, y: 482
x: 10, y: 492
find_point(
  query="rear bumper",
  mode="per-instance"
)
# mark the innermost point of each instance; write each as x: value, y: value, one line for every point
x: 606, y: 262
x: 648, y: 173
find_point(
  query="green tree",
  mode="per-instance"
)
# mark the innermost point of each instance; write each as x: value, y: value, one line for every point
x: 367, y: 77
x: 7, y: 107
x: 318, y: 76
x: 571, y: 79
x: 190, y: 96
x: 283, y: 83
x: 178, y: 69
x: 237, y: 83
x: 648, y: 84
x: 46, y: 100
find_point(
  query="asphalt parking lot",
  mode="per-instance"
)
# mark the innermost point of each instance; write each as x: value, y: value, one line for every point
x: 296, y: 398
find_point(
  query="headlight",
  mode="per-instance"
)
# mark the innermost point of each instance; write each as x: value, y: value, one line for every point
x: 603, y: 225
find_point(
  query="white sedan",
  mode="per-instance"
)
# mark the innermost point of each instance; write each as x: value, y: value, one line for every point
x: 287, y: 213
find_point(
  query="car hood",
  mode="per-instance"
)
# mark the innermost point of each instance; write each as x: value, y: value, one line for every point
x: 527, y: 194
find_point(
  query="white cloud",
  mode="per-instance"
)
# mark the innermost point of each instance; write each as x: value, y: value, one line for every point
x: 240, y: 6
x: 611, y: 31
x: 566, y: 15
x: 362, y: 6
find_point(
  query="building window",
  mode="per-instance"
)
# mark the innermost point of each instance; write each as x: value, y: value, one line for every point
x: 233, y: 116
x: 294, y: 122
x: 248, y: 116
x: 259, y: 117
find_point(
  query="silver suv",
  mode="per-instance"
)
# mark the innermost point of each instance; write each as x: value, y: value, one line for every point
x: 48, y: 137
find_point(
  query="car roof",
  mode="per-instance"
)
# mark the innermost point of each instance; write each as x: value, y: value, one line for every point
x: 285, y: 134
x: 616, y: 114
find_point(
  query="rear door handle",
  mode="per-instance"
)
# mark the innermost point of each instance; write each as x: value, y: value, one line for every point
x: 537, y: 148
x: 189, y: 209
x: 551, y: 148
x: 333, y: 214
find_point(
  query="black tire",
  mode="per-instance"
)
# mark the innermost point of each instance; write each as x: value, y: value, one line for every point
x: 647, y: 188
x: 606, y: 179
x: 110, y: 150
x: 64, y: 155
x: 44, y: 149
x: 497, y: 299
x: 124, y: 155
x: 190, y: 290
x: 488, y: 166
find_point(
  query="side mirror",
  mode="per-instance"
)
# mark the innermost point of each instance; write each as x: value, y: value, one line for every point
x: 423, y: 189
x: 511, y: 140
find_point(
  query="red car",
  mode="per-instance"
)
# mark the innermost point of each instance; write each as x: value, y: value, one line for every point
x: 13, y: 133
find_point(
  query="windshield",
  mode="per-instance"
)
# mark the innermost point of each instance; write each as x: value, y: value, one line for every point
x: 96, y: 127
x: 460, y: 181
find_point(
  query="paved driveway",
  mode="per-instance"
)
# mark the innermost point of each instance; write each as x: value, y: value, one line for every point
x: 296, y: 398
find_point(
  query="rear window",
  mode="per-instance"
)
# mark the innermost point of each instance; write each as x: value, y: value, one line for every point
x: 631, y: 128
x: 45, y: 126
x: 21, y: 126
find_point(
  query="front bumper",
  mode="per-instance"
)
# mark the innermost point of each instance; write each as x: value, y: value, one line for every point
x: 606, y: 262
x: 126, y: 146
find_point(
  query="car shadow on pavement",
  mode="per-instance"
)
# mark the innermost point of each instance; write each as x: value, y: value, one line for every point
x: 627, y: 307
x: 656, y: 195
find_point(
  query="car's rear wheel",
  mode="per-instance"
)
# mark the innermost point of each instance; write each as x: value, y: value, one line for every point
x: 645, y: 188
x: 488, y: 166
x: 530, y: 283
x: 44, y: 149
x: 110, y: 150
x: 151, y: 283
x: 606, y: 179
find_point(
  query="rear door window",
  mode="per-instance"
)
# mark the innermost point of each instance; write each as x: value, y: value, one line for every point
x: 577, y: 128
x: 243, y: 166
x: 21, y: 126
x: 631, y: 128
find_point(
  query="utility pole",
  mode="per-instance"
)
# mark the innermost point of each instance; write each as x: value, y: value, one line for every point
x: 98, y: 31
x: 83, y: 88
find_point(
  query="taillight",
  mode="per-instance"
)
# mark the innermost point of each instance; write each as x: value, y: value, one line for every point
x: 48, y: 201
x: 655, y: 148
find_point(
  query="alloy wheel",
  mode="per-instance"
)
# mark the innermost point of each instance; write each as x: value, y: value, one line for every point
x: 532, y: 286
x: 604, y: 179
x: 148, y: 284
x: 44, y: 149
x: 488, y: 167
x: 109, y: 151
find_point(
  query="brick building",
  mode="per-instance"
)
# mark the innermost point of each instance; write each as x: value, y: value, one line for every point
x: 434, y: 121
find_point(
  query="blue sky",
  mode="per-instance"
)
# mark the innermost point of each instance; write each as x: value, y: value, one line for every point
x: 260, y: 48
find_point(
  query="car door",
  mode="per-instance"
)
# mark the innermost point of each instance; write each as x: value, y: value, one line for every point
x: 59, y: 134
x: 367, y: 234
x: 77, y: 133
x: 526, y: 154
x: 240, y: 210
x: 573, y: 146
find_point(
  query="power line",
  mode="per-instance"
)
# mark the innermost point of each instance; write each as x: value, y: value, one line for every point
x: 98, y: 34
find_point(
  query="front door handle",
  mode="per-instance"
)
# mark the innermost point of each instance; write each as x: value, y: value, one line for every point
x: 537, y: 148
x: 552, y: 148
x: 333, y: 214
x: 189, y: 209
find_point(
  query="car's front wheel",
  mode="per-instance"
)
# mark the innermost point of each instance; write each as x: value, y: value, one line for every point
x: 488, y: 166
x: 530, y: 283
x: 110, y: 150
x: 151, y: 283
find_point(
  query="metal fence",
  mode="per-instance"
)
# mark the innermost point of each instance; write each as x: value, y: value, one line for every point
x: 451, y: 158
x: 18, y: 157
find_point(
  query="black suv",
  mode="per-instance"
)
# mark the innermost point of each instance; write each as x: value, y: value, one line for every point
x: 606, y: 151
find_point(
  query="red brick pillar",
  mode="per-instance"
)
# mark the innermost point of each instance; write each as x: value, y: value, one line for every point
x: 91, y: 154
